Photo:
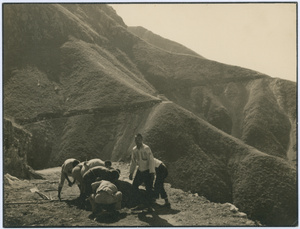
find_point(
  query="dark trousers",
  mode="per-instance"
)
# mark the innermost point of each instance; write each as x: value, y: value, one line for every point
x: 139, y: 178
x: 161, y: 174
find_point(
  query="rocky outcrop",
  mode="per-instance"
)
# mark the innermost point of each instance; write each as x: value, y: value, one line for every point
x: 17, y: 144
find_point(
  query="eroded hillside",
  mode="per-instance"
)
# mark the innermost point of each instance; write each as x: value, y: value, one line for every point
x: 82, y: 85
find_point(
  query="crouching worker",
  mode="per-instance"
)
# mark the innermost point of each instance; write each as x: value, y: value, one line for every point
x: 100, y: 173
x: 106, y: 196
x: 66, y: 171
x: 161, y: 174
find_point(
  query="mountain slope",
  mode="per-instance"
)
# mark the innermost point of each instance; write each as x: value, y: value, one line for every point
x: 83, y: 86
x: 160, y: 42
x: 205, y: 160
x: 247, y: 104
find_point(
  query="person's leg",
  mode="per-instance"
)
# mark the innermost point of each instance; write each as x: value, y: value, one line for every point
x: 88, y: 186
x: 159, y: 182
x: 79, y: 186
x: 163, y: 193
x: 61, y: 183
x: 118, y: 197
x: 158, y: 185
x: 149, y: 188
x: 84, y: 185
x: 137, y: 181
x: 93, y: 203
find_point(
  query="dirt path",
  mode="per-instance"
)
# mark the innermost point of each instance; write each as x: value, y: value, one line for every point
x: 25, y: 208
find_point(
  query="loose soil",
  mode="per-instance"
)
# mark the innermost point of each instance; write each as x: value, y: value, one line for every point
x: 23, y: 208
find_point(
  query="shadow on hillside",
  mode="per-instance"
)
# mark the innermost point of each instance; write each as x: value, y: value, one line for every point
x: 153, y: 219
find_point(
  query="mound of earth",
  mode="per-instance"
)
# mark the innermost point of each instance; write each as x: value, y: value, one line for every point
x: 254, y: 182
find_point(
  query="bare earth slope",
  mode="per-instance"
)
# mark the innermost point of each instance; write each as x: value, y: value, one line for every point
x: 82, y: 85
x: 187, y: 209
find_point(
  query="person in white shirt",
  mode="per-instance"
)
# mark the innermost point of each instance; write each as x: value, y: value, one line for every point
x: 66, y: 171
x: 143, y: 159
x: 161, y: 174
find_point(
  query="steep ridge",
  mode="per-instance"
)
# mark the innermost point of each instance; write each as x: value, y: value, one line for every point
x: 160, y: 42
x: 79, y: 62
x: 83, y: 85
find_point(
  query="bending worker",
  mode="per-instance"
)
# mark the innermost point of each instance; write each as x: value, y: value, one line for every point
x: 66, y: 171
x: 161, y: 174
x: 80, y: 169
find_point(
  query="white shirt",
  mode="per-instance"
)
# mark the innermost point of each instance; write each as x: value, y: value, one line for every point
x: 157, y: 162
x: 67, y: 166
x: 66, y: 169
x: 143, y: 158
x: 106, y: 186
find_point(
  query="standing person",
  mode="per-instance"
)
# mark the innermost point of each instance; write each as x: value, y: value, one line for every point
x: 143, y: 158
x: 161, y: 174
x: 66, y: 171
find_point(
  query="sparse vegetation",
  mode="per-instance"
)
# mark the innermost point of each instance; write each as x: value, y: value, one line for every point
x: 81, y: 85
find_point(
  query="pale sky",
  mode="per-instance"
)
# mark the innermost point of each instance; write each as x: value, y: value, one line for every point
x: 261, y: 37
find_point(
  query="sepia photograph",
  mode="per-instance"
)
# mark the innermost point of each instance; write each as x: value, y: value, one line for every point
x: 149, y: 114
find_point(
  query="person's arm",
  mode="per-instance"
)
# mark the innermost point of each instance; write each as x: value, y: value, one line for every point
x: 61, y: 183
x: 132, y: 165
x: 69, y: 182
x: 59, y: 191
x: 74, y: 181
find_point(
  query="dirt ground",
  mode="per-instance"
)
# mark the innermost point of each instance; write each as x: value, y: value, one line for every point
x: 23, y: 207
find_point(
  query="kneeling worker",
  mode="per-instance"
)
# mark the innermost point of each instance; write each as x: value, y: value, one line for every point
x: 105, y: 193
